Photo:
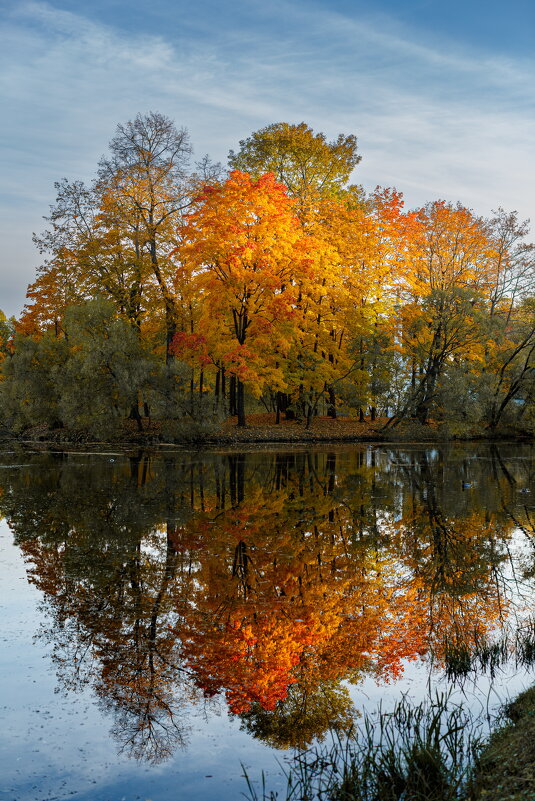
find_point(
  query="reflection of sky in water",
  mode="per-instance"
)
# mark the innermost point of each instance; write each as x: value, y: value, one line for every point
x: 482, y: 695
x: 57, y: 745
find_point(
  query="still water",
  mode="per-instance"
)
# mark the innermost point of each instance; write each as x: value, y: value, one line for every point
x: 168, y: 617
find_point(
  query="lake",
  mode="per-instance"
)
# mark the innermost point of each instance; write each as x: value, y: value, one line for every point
x: 168, y: 617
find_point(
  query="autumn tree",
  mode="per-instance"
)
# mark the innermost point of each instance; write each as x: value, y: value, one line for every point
x: 344, y: 306
x: 369, y: 255
x: 144, y: 186
x: 87, y: 252
x: 245, y: 251
x: 113, y: 238
x: 444, y: 298
x: 283, y: 280
x: 304, y: 161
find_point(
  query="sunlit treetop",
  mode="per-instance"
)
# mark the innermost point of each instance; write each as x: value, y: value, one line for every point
x: 304, y: 161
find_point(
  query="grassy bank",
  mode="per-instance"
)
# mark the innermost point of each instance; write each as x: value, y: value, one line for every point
x: 506, y: 766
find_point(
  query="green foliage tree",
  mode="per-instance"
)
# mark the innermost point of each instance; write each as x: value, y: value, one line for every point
x: 304, y: 161
x: 30, y: 390
x: 107, y: 365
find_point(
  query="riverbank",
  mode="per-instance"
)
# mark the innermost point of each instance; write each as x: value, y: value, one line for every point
x: 506, y: 769
x: 428, y: 752
x: 260, y: 429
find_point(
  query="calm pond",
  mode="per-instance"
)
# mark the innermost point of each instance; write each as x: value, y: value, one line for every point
x: 167, y: 617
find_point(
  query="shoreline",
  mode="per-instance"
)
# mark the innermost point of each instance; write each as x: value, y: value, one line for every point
x: 260, y: 431
x: 506, y: 763
x: 246, y: 439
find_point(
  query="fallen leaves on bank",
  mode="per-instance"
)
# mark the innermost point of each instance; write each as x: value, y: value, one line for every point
x: 263, y: 428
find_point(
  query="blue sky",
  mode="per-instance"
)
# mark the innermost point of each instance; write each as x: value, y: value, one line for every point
x: 440, y: 95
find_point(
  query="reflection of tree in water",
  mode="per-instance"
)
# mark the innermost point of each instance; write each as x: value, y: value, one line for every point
x: 268, y: 577
x: 304, y: 715
x: 456, y: 561
x: 107, y: 566
x: 284, y: 595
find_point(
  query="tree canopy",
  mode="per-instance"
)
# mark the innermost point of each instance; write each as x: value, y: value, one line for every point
x: 278, y: 286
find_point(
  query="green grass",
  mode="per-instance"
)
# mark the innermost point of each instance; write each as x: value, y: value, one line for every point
x: 423, y: 752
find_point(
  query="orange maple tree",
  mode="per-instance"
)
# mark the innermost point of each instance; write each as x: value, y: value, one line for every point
x: 244, y: 250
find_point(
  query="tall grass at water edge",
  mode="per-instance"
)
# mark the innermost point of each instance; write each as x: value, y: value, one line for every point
x: 423, y: 752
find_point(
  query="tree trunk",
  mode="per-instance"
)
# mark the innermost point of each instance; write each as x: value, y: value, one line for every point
x: 240, y: 402
x: 331, y: 410
x: 217, y: 384
x: 135, y: 415
x: 428, y: 389
x: 232, y: 396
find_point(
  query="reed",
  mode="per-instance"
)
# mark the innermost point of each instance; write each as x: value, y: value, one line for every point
x: 423, y: 752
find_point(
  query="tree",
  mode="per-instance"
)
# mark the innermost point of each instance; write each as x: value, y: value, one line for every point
x: 514, y: 263
x: 511, y: 360
x: 88, y: 378
x: 367, y: 254
x: 312, y: 169
x: 305, y: 162
x: 107, y: 366
x: 7, y: 331
x: 144, y: 184
x: 114, y: 237
x: 245, y: 251
x: 445, y: 298
x: 89, y: 253
x: 30, y: 390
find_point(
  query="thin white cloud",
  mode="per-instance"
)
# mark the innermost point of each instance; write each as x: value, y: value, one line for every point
x: 432, y: 119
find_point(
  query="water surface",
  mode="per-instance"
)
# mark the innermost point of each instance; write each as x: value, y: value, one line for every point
x: 167, y: 617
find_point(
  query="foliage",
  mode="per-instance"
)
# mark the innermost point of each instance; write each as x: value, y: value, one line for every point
x: 30, y: 391
x: 106, y: 365
x: 280, y: 282
x: 88, y: 379
x: 245, y: 251
x: 303, y: 161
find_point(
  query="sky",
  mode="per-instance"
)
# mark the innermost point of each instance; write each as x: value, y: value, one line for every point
x: 440, y: 95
